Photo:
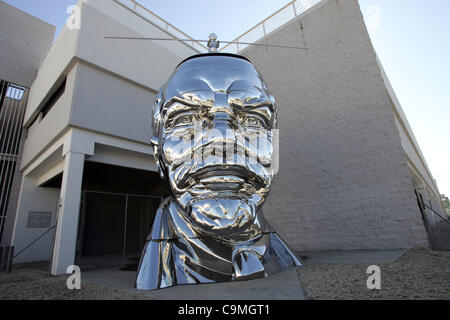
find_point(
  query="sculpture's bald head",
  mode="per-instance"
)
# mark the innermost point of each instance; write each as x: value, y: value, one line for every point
x: 213, y: 124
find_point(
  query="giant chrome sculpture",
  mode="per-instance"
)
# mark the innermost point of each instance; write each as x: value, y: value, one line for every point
x: 213, y: 127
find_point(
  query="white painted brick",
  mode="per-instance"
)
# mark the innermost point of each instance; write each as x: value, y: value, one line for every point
x: 343, y: 181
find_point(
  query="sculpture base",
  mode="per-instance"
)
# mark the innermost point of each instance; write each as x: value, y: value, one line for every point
x: 284, y: 285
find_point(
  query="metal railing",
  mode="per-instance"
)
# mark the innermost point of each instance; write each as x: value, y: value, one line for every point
x: 270, y: 24
x: 436, y: 213
x: 161, y: 23
x: 259, y: 31
x: 7, y: 260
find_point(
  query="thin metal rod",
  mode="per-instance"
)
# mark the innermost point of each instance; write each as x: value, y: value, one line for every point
x: 125, y: 230
x: 6, y: 259
x: 425, y: 219
x: 2, y: 223
x: 2, y: 93
x: 122, y: 194
x: 15, y: 141
x: 53, y: 238
x: 228, y: 42
x: 3, y: 257
x: 266, y: 45
x: 9, y: 113
x: 15, y: 114
x: 37, y: 239
x: 10, y: 132
x: 9, y: 259
x: 4, y: 195
x: 426, y: 206
x: 166, y: 24
x: 263, y: 23
x: 81, y: 227
x: 18, y: 126
x: 6, y: 115
x: 7, y: 164
x: 3, y: 111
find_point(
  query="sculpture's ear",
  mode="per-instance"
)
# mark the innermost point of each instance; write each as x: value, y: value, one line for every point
x: 155, y: 143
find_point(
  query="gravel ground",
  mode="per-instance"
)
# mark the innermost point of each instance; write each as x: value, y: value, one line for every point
x: 418, y: 274
x: 28, y: 284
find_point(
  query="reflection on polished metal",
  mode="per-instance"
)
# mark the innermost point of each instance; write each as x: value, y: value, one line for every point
x: 214, y: 124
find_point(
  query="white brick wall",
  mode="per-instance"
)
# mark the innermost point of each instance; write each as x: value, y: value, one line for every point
x: 24, y: 43
x: 343, y: 181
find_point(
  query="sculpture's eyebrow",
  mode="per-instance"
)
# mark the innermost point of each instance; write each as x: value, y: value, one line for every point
x: 187, y: 98
x: 194, y: 97
x: 177, y: 107
x: 255, y: 104
x: 264, y: 111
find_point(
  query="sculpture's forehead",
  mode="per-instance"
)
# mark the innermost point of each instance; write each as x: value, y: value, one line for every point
x: 214, y: 74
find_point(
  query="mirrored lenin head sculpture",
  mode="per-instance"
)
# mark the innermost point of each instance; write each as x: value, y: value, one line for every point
x: 214, y: 125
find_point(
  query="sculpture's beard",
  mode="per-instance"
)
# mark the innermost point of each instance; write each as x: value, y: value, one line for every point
x: 222, y: 201
x: 221, y: 217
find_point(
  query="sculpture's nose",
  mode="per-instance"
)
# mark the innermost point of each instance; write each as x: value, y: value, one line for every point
x: 222, y: 113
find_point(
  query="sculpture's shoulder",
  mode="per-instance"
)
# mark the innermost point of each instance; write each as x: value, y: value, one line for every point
x: 285, y: 256
x: 162, y: 228
x: 151, y: 273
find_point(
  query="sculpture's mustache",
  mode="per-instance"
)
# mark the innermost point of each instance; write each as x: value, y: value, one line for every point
x: 190, y: 174
x: 245, y: 173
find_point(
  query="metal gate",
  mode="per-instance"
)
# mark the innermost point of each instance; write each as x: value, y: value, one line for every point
x: 436, y: 239
x: 113, y: 228
x: 12, y: 107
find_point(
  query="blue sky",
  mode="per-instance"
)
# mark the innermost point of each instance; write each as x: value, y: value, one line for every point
x: 411, y: 38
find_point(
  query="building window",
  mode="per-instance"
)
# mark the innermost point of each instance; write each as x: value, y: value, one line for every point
x: 52, y: 100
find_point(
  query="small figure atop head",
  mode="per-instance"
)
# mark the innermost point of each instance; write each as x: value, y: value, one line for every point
x: 213, y: 44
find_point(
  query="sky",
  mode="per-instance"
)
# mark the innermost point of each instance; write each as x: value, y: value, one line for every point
x: 411, y: 38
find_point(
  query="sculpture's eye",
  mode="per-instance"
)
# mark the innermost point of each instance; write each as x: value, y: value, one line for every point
x: 185, y: 120
x: 252, y: 121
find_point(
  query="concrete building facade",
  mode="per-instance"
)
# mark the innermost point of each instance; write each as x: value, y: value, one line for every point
x: 347, y: 154
x: 24, y: 43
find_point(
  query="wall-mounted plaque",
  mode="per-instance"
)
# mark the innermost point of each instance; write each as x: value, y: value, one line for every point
x: 39, y: 220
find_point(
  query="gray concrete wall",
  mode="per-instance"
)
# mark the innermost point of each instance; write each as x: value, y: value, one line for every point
x: 43, y: 131
x: 149, y: 63
x: 24, y: 43
x: 146, y: 63
x: 343, y: 181
x: 33, y: 199
x: 111, y: 105
x: 125, y: 77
